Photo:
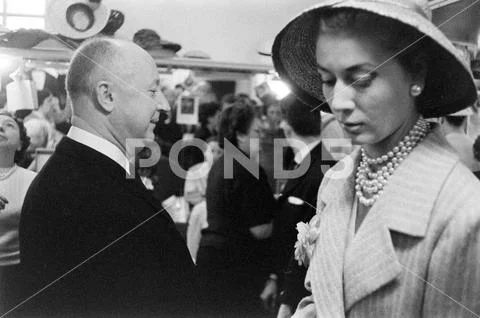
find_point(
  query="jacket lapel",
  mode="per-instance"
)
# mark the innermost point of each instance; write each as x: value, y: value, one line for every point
x: 371, y: 261
x: 334, y: 207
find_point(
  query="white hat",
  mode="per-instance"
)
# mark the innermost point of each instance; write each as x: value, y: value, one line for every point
x: 77, y: 19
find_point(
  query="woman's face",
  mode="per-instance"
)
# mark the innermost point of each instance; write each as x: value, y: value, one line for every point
x: 250, y: 142
x: 367, y: 90
x: 9, y: 134
x: 274, y: 115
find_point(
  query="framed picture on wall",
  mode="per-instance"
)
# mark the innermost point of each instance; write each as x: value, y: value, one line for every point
x: 187, y: 110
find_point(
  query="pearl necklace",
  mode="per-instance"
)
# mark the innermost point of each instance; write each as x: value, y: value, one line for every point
x: 6, y: 172
x: 370, y: 182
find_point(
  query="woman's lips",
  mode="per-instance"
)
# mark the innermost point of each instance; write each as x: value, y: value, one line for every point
x: 352, y: 127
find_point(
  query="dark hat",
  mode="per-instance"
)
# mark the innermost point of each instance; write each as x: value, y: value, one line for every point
x: 149, y: 40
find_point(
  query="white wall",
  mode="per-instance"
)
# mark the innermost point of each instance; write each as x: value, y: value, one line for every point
x: 227, y: 30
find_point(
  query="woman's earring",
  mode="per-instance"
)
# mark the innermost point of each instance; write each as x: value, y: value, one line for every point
x: 415, y: 90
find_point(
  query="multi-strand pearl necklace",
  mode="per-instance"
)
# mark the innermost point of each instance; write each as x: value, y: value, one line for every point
x: 369, y: 182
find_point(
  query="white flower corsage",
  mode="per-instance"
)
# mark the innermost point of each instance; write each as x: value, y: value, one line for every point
x: 306, y: 238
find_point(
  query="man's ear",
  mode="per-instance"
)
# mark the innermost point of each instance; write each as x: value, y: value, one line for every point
x: 105, y: 96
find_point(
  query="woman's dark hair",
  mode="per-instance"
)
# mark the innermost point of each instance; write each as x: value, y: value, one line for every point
x: 228, y: 99
x: 190, y: 154
x: 476, y: 148
x: 235, y: 120
x: 24, y: 139
x: 42, y: 95
x: 304, y: 120
x: 409, y: 46
x: 206, y: 111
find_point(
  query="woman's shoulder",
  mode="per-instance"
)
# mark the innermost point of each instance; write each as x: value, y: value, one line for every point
x: 459, y: 197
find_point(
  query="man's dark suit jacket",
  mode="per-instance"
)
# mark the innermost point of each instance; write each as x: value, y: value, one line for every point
x: 297, y: 203
x: 82, y: 208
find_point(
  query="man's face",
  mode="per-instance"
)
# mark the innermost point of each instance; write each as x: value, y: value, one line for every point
x: 215, y: 150
x: 274, y: 114
x: 138, y: 100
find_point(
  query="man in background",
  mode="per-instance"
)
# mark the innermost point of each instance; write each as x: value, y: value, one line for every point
x: 297, y: 201
x: 89, y: 229
x: 40, y: 124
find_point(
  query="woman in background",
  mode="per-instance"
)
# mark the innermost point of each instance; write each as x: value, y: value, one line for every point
x: 240, y: 206
x: 14, y: 183
x: 194, y: 193
x: 208, y: 114
x: 397, y: 229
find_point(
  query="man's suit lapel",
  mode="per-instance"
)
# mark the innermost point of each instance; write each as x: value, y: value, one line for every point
x: 136, y: 187
x: 315, y: 159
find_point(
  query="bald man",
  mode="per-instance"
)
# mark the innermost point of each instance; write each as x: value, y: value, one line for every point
x: 113, y: 249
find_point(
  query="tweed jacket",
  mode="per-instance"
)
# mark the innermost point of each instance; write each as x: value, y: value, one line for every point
x: 417, y: 252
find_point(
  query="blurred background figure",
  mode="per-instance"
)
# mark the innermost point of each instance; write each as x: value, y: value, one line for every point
x: 194, y: 193
x: 168, y: 132
x: 227, y: 100
x: 297, y: 201
x: 196, y: 179
x: 271, y: 131
x: 179, y: 89
x: 40, y: 124
x: 476, y: 153
x: 63, y: 114
x: 455, y: 129
x: 231, y: 259
x: 14, y: 183
x: 208, y: 117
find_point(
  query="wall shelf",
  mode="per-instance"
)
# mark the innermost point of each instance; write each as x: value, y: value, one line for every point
x: 63, y: 56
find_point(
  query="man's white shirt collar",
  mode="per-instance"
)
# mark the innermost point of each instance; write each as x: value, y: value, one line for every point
x: 101, y: 145
x: 304, y: 151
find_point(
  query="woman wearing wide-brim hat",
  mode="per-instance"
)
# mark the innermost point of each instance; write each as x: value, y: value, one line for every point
x: 397, y: 232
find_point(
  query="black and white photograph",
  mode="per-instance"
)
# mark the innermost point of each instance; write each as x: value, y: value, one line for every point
x: 240, y: 159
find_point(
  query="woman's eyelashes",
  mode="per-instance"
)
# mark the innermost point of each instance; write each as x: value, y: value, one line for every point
x: 358, y: 81
x: 363, y: 80
x: 328, y: 82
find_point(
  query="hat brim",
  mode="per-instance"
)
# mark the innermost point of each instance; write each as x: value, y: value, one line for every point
x: 56, y: 17
x: 449, y: 85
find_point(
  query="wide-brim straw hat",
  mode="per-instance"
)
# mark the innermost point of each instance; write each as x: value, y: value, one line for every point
x: 449, y: 85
